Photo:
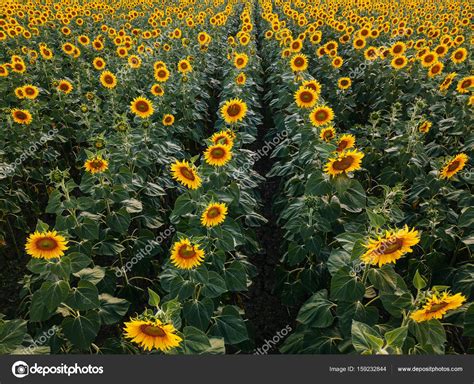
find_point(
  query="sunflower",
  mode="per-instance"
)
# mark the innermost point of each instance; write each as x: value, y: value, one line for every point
x: 184, y: 66
x: 447, y: 81
x: 398, y: 62
x: 214, y: 214
x: 305, y: 97
x: 315, y: 85
x: 359, y: 43
x: 21, y: 116
x: 30, y: 91
x: 428, y: 59
x: 99, y: 63
x: 218, y: 155
x: 96, y: 165
x: 3, y: 71
x: 321, y: 115
x: 344, y: 83
x: 157, y: 90
x: 152, y: 334
x: 162, y: 74
x: 168, y: 119
x: 134, y: 62
x: 299, y: 63
x: 224, y: 138
x: 142, y: 107
x: 241, y: 79
x: 435, y: 69
x: 344, y: 162
x: 46, y: 245
x: 465, y: 84
x: 108, y: 79
x: 185, y: 255
x: 64, y: 86
x: 241, y: 60
x: 233, y: 110
x: 327, y: 134
x: 425, y: 126
x: 19, y: 93
x: 454, y: 165
x: 337, y: 62
x: 459, y: 55
x: 398, y: 48
x: 390, y: 247
x: 437, y: 305
x: 345, y: 142
x: 186, y: 174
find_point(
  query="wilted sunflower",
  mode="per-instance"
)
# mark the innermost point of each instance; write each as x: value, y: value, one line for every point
x: 327, y: 134
x: 321, y: 115
x: 465, y: 84
x: 299, y: 63
x: 344, y: 162
x: 30, y: 91
x: 186, y: 255
x: 218, y: 155
x: 186, y: 174
x: 233, y: 110
x: 65, y: 87
x: 224, y: 138
x: 142, y: 107
x: 306, y: 97
x: 345, y: 142
x: 21, y: 116
x: 425, y: 126
x: 344, y: 83
x: 390, y: 247
x: 437, y: 305
x: 46, y: 245
x: 152, y: 334
x: 96, y: 165
x: 108, y: 79
x: 454, y: 165
x: 214, y: 214
x: 168, y: 119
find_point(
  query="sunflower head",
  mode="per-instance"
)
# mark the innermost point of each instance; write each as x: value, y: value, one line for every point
x: 345, y: 142
x: 108, y: 80
x: 21, y: 116
x: 437, y: 305
x: 305, y: 97
x: 186, y: 255
x: 233, y: 111
x: 152, y: 334
x: 96, y: 165
x: 46, y: 245
x: 214, y: 214
x: 186, y: 174
x: 321, y: 115
x: 218, y: 155
x: 64, y: 86
x: 142, y: 107
x: 453, y: 166
x: 299, y: 63
x: 344, y: 162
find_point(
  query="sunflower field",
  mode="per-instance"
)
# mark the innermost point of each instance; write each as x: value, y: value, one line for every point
x: 216, y: 176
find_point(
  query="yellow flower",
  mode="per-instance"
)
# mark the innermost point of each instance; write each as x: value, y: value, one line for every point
x: 321, y: 115
x: 398, y: 62
x: 157, y: 90
x: 454, y: 165
x: 185, y: 255
x: 435, y: 69
x: 299, y: 63
x: 152, y: 334
x: 344, y: 83
x: 46, y: 245
x: 214, y: 214
x: 218, y: 155
x: 344, y: 162
x: 168, y: 119
x: 186, y: 174
x: 305, y: 97
x: 428, y: 59
x: 447, y: 81
x: 162, y: 74
x: 108, y: 79
x: 184, y: 66
x: 241, y: 60
x: 327, y: 134
x: 241, y: 79
x: 30, y: 91
x: 142, y: 107
x: 223, y: 137
x: 234, y: 110
x: 345, y: 142
x: 465, y: 84
x: 21, y: 116
x: 98, y: 63
x: 134, y: 61
x: 65, y: 87
x: 437, y: 305
x: 459, y: 55
x: 314, y: 85
x: 425, y: 126
x: 390, y: 247
x: 96, y: 165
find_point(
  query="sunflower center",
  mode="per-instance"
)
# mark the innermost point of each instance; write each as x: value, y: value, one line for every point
x: 453, y: 166
x: 21, y: 115
x: 161, y: 74
x: 187, y: 173
x: 299, y: 62
x: 342, y: 145
x: 321, y: 115
x: 429, y: 58
x: 306, y: 97
x: 218, y: 153
x: 213, y: 212
x: 187, y: 251
x: 152, y: 330
x: 29, y: 91
x: 234, y: 110
x: 458, y: 55
x: 46, y: 243
x: 142, y: 106
x: 390, y: 246
x: 466, y: 84
x: 343, y: 164
x: 437, y: 307
x: 97, y: 164
x: 108, y: 79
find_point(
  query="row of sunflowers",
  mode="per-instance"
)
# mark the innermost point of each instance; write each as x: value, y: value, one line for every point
x: 130, y: 200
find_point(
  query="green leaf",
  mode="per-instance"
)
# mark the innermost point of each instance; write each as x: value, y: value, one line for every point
x: 82, y: 330
x: 198, y: 313
x: 395, y: 302
x: 345, y: 287
x: 466, y: 219
x: 354, y: 199
x: 112, y: 309
x: 12, y: 334
x: 54, y: 293
x: 469, y: 322
x: 153, y: 298
x: 396, y: 337
x: 365, y: 339
x: 119, y: 221
x: 93, y: 275
x: 429, y: 334
x: 215, y: 287
x: 418, y: 281
x: 231, y: 327
x: 195, y: 341
x: 317, y: 185
x: 38, y: 309
x: 78, y: 261
x: 84, y: 297
x: 316, y: 311
x: 296, y: 253
x: 235, y: 277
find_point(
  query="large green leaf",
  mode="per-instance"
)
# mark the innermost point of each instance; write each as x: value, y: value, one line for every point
x: 235, y: 277
x: 112, y: 309
x: 198, y: 312
x: 346, y: 287
x: 316, y: 311
x: 365, y: 339
x: 54, y: 293
x: 84, y: 297
x: 469, y: 322
x: 82, y: 330
x: 12, y: 334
